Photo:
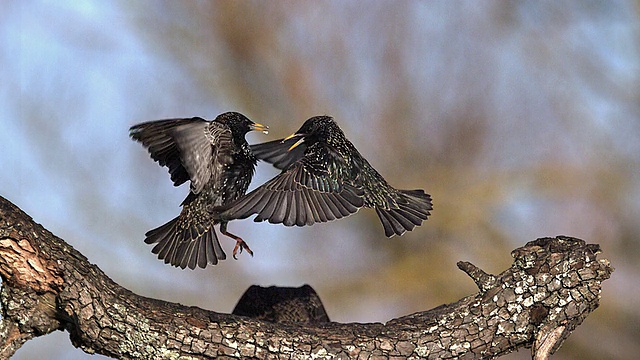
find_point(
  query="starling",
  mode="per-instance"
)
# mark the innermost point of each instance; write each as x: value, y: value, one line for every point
x: 215, y: 157
x: 325, y: 178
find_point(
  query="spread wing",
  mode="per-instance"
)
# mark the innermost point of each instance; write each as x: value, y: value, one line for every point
x: 277, y: 152
x: 306, y: 192
x: 193, y: 149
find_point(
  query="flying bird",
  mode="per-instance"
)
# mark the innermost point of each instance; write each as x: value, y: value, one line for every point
x: 324, y: 178
x: 215, y: 157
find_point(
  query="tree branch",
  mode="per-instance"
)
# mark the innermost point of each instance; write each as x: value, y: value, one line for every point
x: 553, y: 284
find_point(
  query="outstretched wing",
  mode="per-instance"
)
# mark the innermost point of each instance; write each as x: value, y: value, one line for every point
x: 205, y: 149
x: 306, y: 192
x: 277, y: 152
x: 193, y: 149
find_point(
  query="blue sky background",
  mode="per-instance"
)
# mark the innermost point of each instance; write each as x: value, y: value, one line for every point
x: 520, y: 118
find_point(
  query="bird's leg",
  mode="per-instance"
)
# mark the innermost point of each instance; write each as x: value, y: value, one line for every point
x: 240, y: 244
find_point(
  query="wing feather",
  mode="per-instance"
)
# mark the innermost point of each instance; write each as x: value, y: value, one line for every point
x: 307, y: 214
x: 290, y: 218
x: 280, y: 209
x: 267, y: 211
x: 205, y: 149
x: 277, y: 152
x: 154, y: 135
x: 342, y: 211
x: 302, y: 194
x: 324, y: 210
x: 193, y: 149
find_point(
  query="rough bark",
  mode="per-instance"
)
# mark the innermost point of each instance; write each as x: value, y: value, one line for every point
x: 553, y: 284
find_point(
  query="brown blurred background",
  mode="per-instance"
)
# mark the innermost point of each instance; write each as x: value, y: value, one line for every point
x: 520, y: 118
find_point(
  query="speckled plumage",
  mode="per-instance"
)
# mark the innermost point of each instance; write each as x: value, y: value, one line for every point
x: 324, y: 178
x: 215, y: 157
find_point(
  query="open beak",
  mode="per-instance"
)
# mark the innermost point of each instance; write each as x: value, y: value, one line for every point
x: 260, y: 127
x: 300, y: 141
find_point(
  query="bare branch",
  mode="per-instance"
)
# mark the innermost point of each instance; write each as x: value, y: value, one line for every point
x: 553, y: 284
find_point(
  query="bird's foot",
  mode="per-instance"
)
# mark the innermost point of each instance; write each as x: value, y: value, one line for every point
x: 240, y: 246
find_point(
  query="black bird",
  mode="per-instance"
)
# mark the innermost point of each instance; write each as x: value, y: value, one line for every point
x: 325, y: 178
x: 216, y: 158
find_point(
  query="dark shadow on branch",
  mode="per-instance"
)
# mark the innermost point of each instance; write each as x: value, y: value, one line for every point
x: 553, y: 284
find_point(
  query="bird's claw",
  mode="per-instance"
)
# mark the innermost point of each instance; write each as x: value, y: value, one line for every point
x: 241, y: 245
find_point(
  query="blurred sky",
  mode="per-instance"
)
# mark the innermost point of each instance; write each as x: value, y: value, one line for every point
x: 521, y: 118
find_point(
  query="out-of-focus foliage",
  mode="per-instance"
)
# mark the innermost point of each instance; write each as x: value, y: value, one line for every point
x: 522, y: 119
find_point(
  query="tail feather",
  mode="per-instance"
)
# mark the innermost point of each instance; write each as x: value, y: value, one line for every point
x: 413, y: 207
x: 410, y: 214
x: 404, y: 219
x: 389, y: 223
x: 186, y: 247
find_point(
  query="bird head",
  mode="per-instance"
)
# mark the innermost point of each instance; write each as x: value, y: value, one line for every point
x: 316, y: 129
x: 240, y: 124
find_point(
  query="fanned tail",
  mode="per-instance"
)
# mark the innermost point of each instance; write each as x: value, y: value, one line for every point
x: 185, y: 246
x: 413, y: 207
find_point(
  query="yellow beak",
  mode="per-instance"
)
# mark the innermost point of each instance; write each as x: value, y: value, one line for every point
x: 289, y: 137
x: 297, y: 142
x: 260, y: 127
x: 300, y: 141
